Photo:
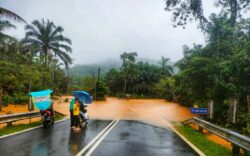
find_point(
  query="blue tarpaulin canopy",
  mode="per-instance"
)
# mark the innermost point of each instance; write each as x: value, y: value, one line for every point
x: 41, y: 99
x: 83, y: 96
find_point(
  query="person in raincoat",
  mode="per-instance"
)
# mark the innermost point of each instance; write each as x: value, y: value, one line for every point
x: 71, y: 106
x: 76, y: 112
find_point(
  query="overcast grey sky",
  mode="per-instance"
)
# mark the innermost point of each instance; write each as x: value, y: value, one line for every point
x: 103, y: 29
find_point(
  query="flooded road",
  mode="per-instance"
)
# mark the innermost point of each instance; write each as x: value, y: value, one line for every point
x: 153, y: 111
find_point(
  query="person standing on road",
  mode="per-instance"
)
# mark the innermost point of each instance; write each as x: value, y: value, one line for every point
x: 71, y: 106
x: 76, y: 112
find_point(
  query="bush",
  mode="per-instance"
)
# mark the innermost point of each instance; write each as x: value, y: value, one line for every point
x: 66, y: 100
x: 20, y: 98
x: 7, y: 99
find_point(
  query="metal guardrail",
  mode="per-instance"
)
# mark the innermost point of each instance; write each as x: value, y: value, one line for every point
x: 20, y: 116
x: 229, y: 135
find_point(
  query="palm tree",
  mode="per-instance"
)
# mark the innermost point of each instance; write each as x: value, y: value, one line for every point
x: 49, y: 40
x: 3, y: 25
x: 127, y: 68
x: 10, y: 15
x: 166, y: 69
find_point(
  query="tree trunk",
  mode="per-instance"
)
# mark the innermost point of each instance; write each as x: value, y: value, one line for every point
x: 248, y: 102
x: 234, y: 11
x: 46, y: 56
x: 1, y: 98
x: 125, y: 86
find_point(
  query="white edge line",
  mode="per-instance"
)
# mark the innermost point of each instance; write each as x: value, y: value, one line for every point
x: 196, y: 149
x: 93, y: 140
x: 30, y: 129
x: 100, y: 140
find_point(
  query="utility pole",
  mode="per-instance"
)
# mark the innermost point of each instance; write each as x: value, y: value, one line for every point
x: 94, y: 86
x: 97, y: 84
x: 1, y: 98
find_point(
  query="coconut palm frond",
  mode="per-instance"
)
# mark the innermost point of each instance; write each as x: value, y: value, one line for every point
x: 50, y: 40
x: 9, y: 14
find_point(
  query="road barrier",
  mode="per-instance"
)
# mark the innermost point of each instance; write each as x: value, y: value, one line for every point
x: 235, y: 138
x: 16, y: 117
x: 20, y: 116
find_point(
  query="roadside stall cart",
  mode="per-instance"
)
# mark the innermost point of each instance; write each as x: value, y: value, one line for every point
x: 42, y: 101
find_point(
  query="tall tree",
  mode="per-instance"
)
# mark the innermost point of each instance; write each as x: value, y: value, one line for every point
x: 128, y: 60
x: 3, y: 25
x: 49, y: 40
x: 185, y: 11
x: 167, y: 69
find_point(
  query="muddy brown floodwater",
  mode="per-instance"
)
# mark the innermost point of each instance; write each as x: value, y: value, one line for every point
x: 152, y: 111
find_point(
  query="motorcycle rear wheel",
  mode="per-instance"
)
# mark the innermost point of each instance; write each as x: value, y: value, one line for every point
x: 82, y: 122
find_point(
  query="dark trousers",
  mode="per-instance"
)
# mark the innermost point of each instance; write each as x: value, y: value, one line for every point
x: 71, y: 118
x: 76, y: 120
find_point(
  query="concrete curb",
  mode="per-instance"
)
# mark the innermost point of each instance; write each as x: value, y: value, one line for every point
x: 30, y: 129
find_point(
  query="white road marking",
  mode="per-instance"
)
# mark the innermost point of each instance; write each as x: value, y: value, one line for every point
x: 95, y: 139
x: 30, y: 129
x: 196, y: 149
x: 100, y: 140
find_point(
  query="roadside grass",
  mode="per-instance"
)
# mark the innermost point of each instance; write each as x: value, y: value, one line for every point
x: 209, y: 147
x: 21, y: 127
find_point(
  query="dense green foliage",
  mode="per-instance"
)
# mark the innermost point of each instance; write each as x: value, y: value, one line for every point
x: 137, y: 78
x: 29, y: 64
x: 220, y: 70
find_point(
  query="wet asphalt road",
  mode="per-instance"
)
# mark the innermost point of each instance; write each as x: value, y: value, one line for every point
x: 133, y: 138
x: 126, y: 138
x: 57, y: 140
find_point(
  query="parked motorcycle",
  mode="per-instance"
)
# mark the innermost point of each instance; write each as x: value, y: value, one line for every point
x: 47, y: 118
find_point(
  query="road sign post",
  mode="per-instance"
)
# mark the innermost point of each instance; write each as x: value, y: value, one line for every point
x: 211, y: 109
x: 233, y: 111
x: 232, y: 119
x: 200, y: 111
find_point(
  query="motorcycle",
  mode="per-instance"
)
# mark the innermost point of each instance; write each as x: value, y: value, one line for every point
x: 85, y: 98
x: 47, y: 118
x: 83, y: 117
